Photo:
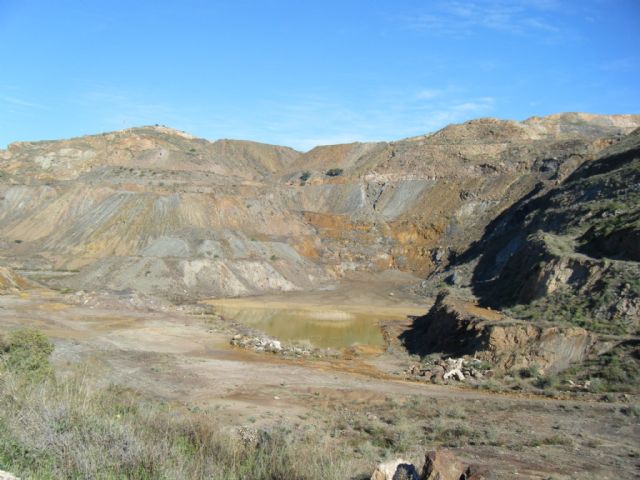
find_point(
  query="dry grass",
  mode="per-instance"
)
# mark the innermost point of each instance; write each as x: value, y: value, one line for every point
x: 69, y: 429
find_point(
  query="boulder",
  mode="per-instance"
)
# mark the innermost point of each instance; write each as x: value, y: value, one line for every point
x: 454, y: 369
x: 437, y: 373
x: 397, y: 469
x: 442, y: 465
x: 455, y: 373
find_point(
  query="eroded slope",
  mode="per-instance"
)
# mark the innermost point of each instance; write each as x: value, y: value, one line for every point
x: 161, y: 212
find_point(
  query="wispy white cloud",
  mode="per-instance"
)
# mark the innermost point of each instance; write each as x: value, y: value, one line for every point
x: 477, y: 106
x: 307, y: 121
x: 462, y: 19
x: 19, y: 102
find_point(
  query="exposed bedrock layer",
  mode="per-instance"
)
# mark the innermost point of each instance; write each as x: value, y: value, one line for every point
x: 454, y: 327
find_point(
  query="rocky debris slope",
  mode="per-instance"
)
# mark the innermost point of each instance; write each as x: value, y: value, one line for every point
x: 428, y: 197
x: 136, y: 149
x: 458, y: 369
x: 163, y: 213
x: 261, y: 343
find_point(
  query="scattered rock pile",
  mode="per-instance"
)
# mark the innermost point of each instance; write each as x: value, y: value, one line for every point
x: 261, y: 343
x: 586, y: 385
x: 257, y: 343
x: 440, y: 370
x: 438, y: 465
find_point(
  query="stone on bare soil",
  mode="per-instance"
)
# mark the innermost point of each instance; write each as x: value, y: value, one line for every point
x: 397, y: 469
x: 261, y: 343
x: 454, y: 369
x: 442, y: 465
x: 437, y: 373
x: 257, y: 343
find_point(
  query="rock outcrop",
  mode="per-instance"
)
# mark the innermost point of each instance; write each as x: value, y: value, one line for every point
x: 455, y: 327
x: 442, y: 465
x: 568, y: 253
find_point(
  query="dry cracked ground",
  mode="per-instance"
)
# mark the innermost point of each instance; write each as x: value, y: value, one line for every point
x: 142, y: 253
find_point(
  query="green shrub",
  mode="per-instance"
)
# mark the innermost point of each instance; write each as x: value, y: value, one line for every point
x: 334, y: 172
x: 531, y: 371
x: 557, y: 440
x: 547, y: 382
x: 71, y: 429
x: 26, y: 352
x: 631, y: 410
x: 305, y: 176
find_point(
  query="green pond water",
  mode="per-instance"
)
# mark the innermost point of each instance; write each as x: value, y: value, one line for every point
x: 323, y: 329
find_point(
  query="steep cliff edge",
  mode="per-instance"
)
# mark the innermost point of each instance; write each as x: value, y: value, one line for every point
x: 569, y: 254
x: 454, y: 327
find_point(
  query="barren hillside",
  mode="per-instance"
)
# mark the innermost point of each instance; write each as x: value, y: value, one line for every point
x: 159, y: 211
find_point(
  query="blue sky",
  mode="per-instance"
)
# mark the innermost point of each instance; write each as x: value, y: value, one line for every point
x: 302, y: 73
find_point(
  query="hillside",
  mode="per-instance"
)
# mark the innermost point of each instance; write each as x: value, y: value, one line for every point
x: 559, y: 276
x: 159, y: 211
x: 570, y: 252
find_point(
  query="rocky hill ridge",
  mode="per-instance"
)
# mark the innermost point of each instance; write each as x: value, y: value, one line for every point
x: 159, y: 211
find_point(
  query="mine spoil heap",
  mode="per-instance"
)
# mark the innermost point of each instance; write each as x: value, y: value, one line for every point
x: 158, y: 211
